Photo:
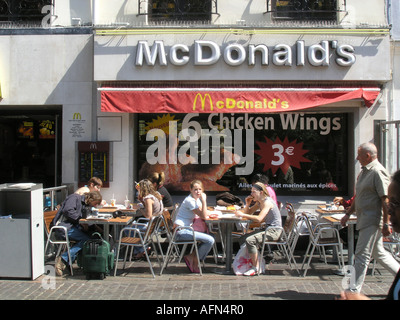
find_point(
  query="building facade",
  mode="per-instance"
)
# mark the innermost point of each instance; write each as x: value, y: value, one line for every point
x: 215, y: 90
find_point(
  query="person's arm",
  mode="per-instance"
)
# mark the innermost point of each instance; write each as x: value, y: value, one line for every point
x: 386, y: 231
x: 250, y: 209
x: 349, y: 211
x: 257, y: 218
x: 203, y: 211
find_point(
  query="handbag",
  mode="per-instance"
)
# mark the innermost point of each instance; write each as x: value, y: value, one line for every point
x: 242, y: 261
x: 199, y: 225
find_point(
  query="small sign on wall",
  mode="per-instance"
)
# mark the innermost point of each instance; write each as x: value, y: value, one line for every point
x: 109, y: 129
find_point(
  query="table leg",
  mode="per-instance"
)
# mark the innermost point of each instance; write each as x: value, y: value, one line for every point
x: 350, y: 244
x: 106, y: 232
x: 228, y: 248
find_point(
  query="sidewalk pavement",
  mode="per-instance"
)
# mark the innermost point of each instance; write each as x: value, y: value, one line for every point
x: 177, y: 284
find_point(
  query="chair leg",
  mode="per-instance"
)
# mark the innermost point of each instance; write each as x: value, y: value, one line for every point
x: 167, y: 256
x: 116, y: 259
x: 309, y: 261
x: 69, y: 259
x: 148, y: 260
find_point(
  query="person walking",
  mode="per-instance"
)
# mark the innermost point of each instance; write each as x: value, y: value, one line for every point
x: 370, y: 205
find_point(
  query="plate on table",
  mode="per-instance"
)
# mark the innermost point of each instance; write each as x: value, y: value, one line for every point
x: 229, y: 209
x: 329, y: 210
x: 214, y: 216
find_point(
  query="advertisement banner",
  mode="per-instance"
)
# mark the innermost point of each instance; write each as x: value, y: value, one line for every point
x: 298, y: 152
x: 227, y: 100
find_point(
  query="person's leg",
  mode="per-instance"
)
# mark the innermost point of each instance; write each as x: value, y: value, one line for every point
x: 365, y: 244
x: 206, y: 244
x: 381, y: 255
x: 77, y: 235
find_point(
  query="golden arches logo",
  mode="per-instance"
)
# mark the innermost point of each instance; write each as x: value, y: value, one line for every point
x: 77, y: 116
x: 203, y: 101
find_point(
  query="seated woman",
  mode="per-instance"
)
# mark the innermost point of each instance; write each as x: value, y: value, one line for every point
x: 194, y: 204
x: 150, y: 205
x: 269, y: 213
x: 158, y: 179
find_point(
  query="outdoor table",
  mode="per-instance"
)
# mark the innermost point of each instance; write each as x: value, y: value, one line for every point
x: 228, y: 221
x: 126, y: 219
x: 335, y: 220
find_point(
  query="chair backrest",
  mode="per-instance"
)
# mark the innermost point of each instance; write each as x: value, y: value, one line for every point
x: 48, y: 217
x: 167, y: 220
x: 308, y: 224
x: 290, y: 219
x: 152, y: 226
x: 174, y: 212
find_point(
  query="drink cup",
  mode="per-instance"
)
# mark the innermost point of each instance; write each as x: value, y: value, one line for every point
x: 113, y: 202
x: 127, y: 204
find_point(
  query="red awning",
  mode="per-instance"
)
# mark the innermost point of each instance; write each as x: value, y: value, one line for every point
x: 199, y: 100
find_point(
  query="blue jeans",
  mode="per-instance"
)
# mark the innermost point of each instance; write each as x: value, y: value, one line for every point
x: 75, y: 234
x: 206, y: 241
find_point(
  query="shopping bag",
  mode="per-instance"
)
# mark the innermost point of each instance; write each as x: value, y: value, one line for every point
x: 242, y: 261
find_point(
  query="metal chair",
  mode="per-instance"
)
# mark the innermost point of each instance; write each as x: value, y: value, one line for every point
x: 53, y: 237
x: 133, y: 236
x: 319, y: 240
x: 283, y: 243
x: 165, y: 229
x: 174, y: 242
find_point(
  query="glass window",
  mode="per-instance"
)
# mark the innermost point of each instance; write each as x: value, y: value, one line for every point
x: 304, y: 9
x: 29, y: 11
x: 301, y: 153
x: 189, y: 10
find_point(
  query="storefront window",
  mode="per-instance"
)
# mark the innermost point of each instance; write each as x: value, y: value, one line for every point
x: 301, y: 153
x: 23, y: 11
x: 305, y: 9
x: 192, y: 10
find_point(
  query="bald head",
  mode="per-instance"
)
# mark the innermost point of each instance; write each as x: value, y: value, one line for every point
x: 367, y: 152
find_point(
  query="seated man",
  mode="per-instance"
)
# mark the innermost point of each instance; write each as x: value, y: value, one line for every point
x: 74, y: 208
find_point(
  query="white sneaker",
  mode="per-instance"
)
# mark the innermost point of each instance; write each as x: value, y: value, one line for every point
x: 251, y: 272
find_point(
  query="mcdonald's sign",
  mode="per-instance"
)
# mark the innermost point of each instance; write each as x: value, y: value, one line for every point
x: 77, y: 116
x: 203, y: 101
x: 228, y: 100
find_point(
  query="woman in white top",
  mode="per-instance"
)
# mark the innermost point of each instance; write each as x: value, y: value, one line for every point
x: 194, y: 204
x: 269, y: 213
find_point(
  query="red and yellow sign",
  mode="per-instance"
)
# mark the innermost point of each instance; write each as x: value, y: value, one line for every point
x: 227, y: 100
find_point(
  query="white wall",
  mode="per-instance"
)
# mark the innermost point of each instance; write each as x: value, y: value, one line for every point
x: 51, y: 70
x: 105, y: 12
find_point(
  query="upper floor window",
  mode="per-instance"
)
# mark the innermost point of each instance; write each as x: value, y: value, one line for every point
x: 23, y: 11
x: 304, y: 9
x: 183, y: 10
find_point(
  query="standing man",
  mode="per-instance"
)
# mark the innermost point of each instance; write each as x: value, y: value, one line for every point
x: 370, y: 205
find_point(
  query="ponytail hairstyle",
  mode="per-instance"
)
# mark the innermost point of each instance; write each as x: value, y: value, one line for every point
x: 158, y: 178
x: 261, y: 187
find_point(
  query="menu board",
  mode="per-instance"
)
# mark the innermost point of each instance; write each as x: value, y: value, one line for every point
x: 94, y: 162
